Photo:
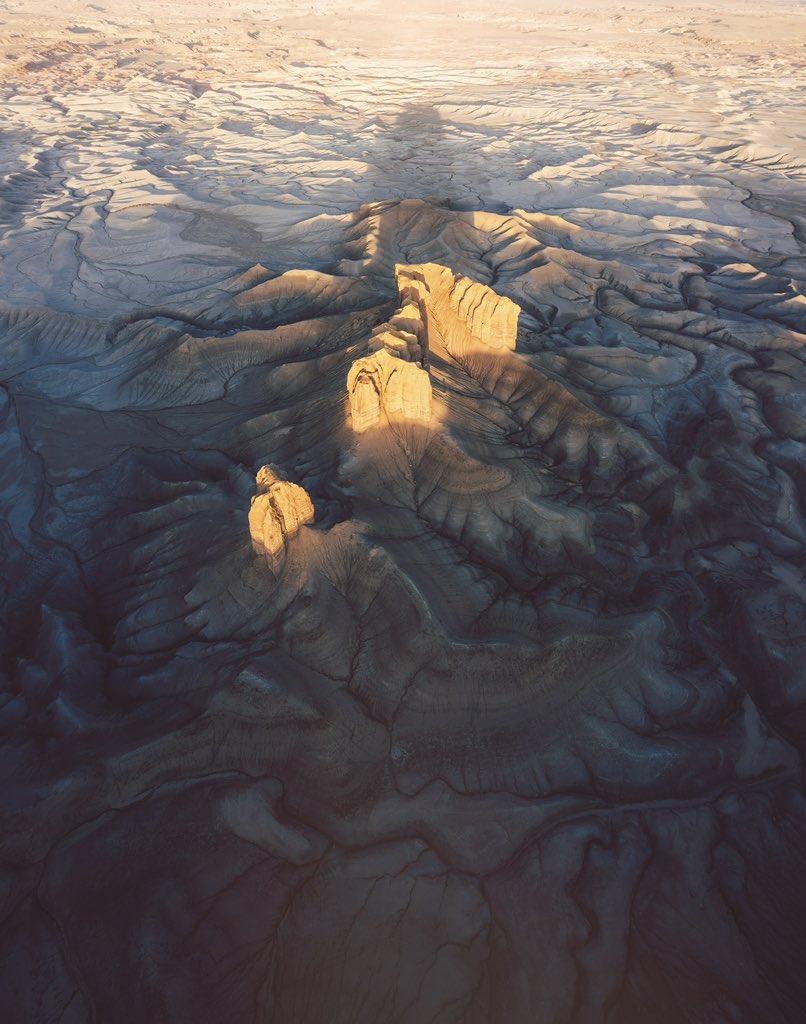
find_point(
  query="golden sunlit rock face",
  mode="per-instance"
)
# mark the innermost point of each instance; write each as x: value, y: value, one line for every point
x: 384, y: 386
x: 460, y: 315
x: 392, y: 382
x: 439, y: 310
x: 402, y: 512
x: 277, y: 512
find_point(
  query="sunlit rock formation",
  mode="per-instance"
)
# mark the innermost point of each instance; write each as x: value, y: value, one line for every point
x: 393, y: 380
x: 385, y: 384
x: 459, y: 313
x: 437, y: 308
x: 277, y: 512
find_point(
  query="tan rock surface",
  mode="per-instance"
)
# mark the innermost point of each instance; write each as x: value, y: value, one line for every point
x: 459, y: 313
x: 277, y: 512
x: 437, y: 308
x: 385, y: 384
x: 393, y: 381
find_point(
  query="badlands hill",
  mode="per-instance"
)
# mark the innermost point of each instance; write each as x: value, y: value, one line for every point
x: 403, y: 530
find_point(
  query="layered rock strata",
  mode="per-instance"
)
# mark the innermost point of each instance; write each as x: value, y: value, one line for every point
x: 277, y: 512
x: 439, y: 308
x: 392, y: 381
x: 459, y: 313
x: 384, y: 385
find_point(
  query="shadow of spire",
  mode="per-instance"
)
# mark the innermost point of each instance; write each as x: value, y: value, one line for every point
x: 420, y: 156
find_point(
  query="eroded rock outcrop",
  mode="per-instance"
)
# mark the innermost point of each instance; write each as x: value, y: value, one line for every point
x: 277, y: 512
x: 437, y: 308
x: 459, y: 313
x: 384, y: 384
x: 393, y: 379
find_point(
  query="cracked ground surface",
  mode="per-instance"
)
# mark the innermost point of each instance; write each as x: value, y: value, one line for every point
x: 514, y: 731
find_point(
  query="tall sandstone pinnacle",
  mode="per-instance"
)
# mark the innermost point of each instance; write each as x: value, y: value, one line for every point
x: 277, y: 512
x: 439, y: 312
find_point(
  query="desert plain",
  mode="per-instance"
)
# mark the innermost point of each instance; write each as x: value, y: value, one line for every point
x: 403, y: 487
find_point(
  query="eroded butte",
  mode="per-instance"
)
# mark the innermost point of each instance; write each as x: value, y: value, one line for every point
x: 277, y: 512
x: 403, y: 539
x: 439, y: 311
